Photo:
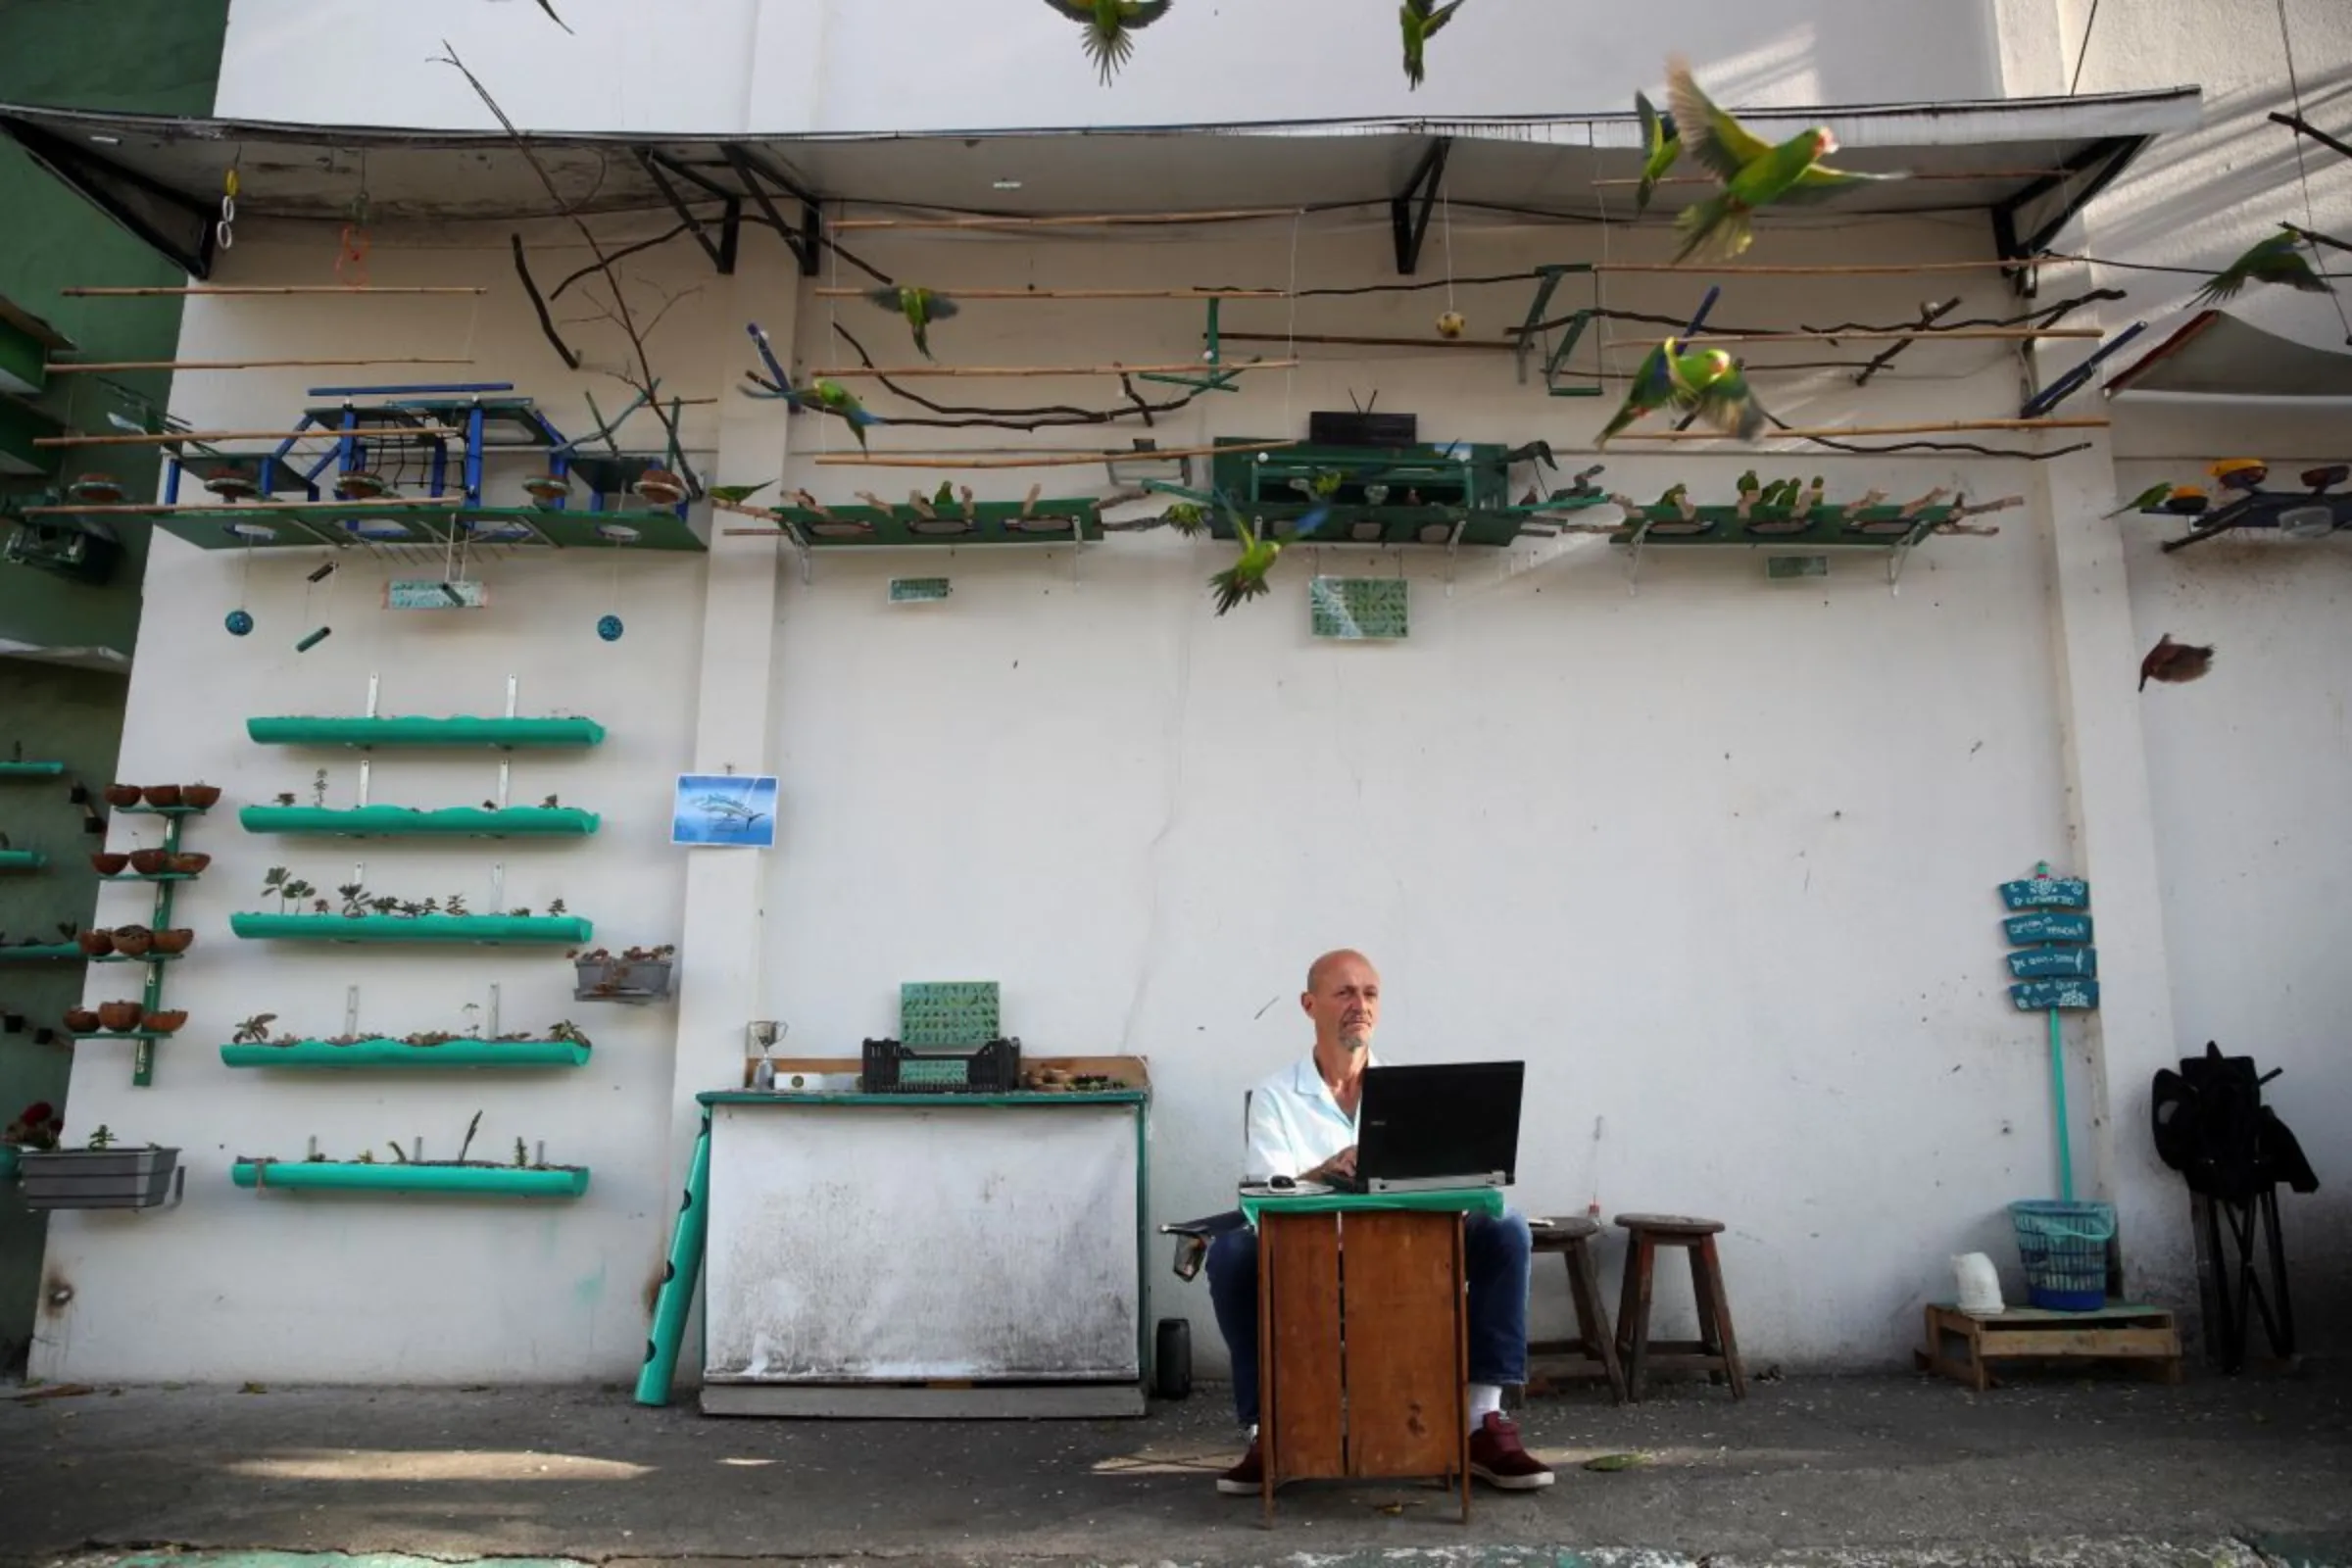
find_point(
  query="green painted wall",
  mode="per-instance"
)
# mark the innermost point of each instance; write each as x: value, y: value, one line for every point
x: 147, y: 57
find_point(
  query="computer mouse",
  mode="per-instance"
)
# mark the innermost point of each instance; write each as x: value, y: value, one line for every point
x: 1280, y: 1183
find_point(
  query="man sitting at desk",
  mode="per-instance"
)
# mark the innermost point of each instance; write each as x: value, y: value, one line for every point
x: 1303, y: 1125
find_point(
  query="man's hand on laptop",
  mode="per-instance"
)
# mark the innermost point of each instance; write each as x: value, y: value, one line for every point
x: 1342, y: 1164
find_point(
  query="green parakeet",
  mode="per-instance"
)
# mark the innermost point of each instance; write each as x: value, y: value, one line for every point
x: 1748, y: 483
x: 2154, y: 496
x: 1186, y: 519
x: 1755, y: 175
x: 945, y: 496
x: 2276, y: 260
x: 1110, y: 26
x: 920, y: 306
x: 831, y: 397
x: 1246, y: 578
x: 1661, y: 146
x: 1707, y: 382
x: 1421, y: 22
x: 737, y: 494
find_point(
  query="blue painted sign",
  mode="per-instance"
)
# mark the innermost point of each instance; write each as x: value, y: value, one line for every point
x: 2037, y: 995
x: 2026, y: 929
x: 2054, y: 963
x: 2047, y: 893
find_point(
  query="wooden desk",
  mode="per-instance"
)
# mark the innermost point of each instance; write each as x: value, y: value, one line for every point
x: 1362, y: 1347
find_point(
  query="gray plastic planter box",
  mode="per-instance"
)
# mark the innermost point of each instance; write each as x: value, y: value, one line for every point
x: 97, y: 1178
x: 638, y: 983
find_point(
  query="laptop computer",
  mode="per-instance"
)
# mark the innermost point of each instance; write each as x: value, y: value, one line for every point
x: 1428, y: 1128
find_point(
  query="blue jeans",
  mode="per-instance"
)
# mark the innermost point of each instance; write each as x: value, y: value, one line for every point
x: 1495, y: 1257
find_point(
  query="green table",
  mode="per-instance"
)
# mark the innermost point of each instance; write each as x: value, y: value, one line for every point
x: 1486, y: 1201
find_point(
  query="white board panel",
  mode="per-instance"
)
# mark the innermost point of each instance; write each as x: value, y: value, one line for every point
x: 888, y: 1242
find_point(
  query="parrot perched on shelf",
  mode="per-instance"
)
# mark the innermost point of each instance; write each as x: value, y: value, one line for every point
x: 2148, y: 499
x: 1709, y: 383
x: 1661, y: 147
x: 1246, y: 578
x: 1110, y: 26
x: 737, y: 494
x: 1748, y: 484
x: 2276, y: 260
x: 1754, y: 173
x: 920, y: 306
x: 945, y: 496
x: 831, y: 397
x: 2174, y: 663
x: 1421, y: 22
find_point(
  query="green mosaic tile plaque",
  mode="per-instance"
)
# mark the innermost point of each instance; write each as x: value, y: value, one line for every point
x: 919, y: 590
x: 1357, y: 608
x: 947, y: 1012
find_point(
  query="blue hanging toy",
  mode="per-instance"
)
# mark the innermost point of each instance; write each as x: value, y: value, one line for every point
x: 608, y: 628
x: 238, y: 623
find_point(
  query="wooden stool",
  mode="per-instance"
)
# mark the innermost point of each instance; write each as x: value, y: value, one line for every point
x: 1717, y: 1348
x: 1593, y: 1352
x: 1362, y: 1354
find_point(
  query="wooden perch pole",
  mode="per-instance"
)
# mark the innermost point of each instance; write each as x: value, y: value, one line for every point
x: 1053, y: 459
x: 376, y: 432
x: 1847, y: 432
x: 1905, y: 335
x: 1198, y: 367
x: 262, y: 288
x: 1854, y: 270
x: 235, y: 365
x: 1365, y: 342
x: 962, y: 294
x: 844, y: 225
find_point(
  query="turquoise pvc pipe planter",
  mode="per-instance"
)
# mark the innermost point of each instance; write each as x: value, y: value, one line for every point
x: 53, y: 951
x: 379, y: 1053
x: 503, y: 1181
x: 22, y: 859
x: 31, y: 770
x: 398, y: 821
x: 503, y: 734
x: 8, y: 1163
x: 490, y: 929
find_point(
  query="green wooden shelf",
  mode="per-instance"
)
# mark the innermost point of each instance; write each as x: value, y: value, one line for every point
x: 123, y: 957
x: 1882, y: 527
x: 158, y: 811
x: 475, y: 929
x: 427, y: 521
x: 409, y: 733
x: 151, y: 876
x: 399, y: 1054
x: 507, y: 1181
x: 22, y: 859
x: 122, y: 1034
x: 986, y: 523
x: 401, y: 822
x: 43, y: 952
x: 31, y: 770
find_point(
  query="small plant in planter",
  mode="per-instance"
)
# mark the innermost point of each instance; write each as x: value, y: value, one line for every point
x: 95, y: 944
x: 254, y: 1029
x: 634, y: 974
x: 134, y: 941
x: 288, y: 889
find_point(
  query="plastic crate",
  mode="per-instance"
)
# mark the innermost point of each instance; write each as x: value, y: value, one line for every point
x: 2064, y: 1248
x: 891, y: 1068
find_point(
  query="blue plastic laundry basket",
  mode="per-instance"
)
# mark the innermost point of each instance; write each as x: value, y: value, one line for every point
x: 2064, y: 1248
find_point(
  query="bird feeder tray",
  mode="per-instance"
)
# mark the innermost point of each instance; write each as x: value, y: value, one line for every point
x: 419, y: 734
x: 321, y: 1054
x: 1882, y: 527
x: 984, y: 522
x: 400, y: 821
x: 478, y: 930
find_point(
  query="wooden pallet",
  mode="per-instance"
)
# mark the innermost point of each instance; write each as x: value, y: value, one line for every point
x: 1962, y: 1345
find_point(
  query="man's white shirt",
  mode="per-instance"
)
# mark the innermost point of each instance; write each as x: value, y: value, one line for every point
x: 1294, y: 1125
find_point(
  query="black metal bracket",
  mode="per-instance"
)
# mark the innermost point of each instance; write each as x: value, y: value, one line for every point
x: 807, y: 241
x: 721, y: 251
x: 2077, y: 184
x: 1411, y: 227
x: 176, y: 228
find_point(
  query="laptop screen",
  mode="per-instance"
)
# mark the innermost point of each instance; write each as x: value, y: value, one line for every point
x: 1441, y: 1119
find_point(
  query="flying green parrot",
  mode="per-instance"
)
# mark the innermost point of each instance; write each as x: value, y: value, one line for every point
x: 920, y: 306
x: 1110, y: 26
x: 1421, y: 22
x: 1709, y: 381
x: 2276, y: 260
x: 1755, y: 175
x: 1246, y: 578
x: 2154, y: 496
x: 1186, y: 519
x: 831, y: 397
x: 737, y: 494
x: 1661, y: 146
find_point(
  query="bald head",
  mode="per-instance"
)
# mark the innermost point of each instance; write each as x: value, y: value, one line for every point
x: 1342, y: 997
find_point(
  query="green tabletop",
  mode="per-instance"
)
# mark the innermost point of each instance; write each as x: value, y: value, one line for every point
x: 1487, y: 1200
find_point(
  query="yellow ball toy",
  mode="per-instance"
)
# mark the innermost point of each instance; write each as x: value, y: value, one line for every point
x: 1450, y: 324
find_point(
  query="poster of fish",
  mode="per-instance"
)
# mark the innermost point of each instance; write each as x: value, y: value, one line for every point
x: 735, y: 809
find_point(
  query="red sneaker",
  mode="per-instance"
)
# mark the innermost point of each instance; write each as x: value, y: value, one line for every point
x: 1248, y: 1478
x: 1496, y: 1456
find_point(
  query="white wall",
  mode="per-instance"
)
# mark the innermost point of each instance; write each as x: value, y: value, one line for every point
x: 778, y: 66
x: 2245, y: 765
